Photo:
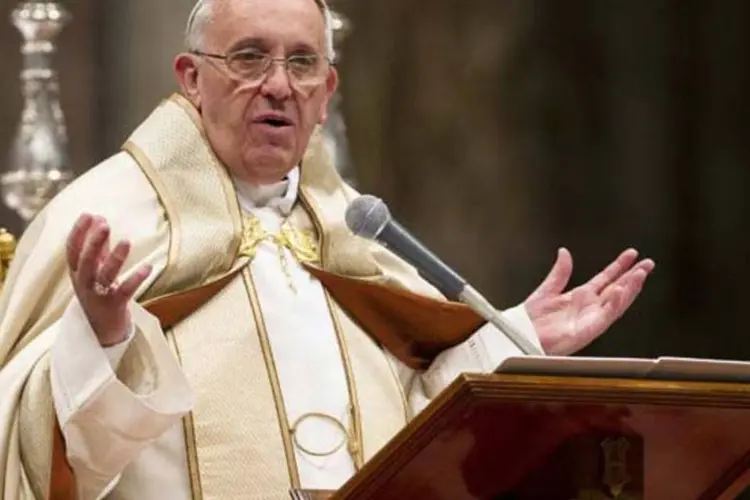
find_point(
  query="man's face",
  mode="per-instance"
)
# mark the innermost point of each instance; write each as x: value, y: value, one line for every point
x: 261, y: 131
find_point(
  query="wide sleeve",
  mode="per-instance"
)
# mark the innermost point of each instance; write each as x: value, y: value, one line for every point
x: 483, y: 352
x: 105, y: 420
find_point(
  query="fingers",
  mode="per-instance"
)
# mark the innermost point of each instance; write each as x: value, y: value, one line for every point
x: 104, y: 253
x: 88, y: 263
x: 613, y: 271
x: 112, y: 264
x: 647, y: 265
x: 128, y: 288
x: 632, y: 289
x: 619, y: 297
x: 76, y: 239
x: 559, y: 275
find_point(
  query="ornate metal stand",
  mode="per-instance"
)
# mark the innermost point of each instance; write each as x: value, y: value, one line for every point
x: 38, y: 168
x: 335, y: 128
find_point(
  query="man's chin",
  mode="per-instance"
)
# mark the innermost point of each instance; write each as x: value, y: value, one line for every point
x: 268, y: 165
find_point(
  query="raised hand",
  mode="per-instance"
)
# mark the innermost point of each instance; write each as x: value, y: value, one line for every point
x: 94, y: 271
x: 568, y: 321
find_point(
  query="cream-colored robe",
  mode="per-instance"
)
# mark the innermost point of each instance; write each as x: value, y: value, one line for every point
x: 168, y: 194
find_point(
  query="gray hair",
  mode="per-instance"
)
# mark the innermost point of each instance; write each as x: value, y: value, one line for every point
x: 201, y: 16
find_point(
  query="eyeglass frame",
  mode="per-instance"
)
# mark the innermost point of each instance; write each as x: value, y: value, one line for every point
x: 270, y: 61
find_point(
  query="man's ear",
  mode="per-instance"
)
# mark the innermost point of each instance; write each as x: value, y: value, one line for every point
x: 186, y: 72
x: 332, y: 83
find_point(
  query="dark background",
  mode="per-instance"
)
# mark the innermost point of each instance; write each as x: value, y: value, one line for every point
x: 500, y: 130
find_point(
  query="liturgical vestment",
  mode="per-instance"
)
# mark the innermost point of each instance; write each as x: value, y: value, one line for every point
x: 269, y: 385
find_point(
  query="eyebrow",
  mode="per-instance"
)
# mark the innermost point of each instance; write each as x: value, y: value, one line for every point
x: 247, y: 43
x: 261, y: 44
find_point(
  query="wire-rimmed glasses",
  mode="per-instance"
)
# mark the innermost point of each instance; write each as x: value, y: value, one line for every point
x: 305, y: 71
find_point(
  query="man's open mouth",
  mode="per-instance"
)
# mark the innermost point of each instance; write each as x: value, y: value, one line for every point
x: 274, y: 121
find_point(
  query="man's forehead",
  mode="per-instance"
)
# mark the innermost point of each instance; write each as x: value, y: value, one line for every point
x: 230, y: 9
x: 233, y: 18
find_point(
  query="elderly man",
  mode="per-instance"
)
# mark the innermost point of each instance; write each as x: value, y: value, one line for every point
x: 191, y: 318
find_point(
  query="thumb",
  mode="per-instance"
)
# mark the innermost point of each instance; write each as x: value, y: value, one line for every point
x: 558, y: 277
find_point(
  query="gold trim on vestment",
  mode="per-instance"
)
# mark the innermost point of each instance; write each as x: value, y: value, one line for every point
x: 356, y: 442
x: 189, y: 109
x: 188, y: 170
x: 225, y: 180
x: 188, y: 427
x: 302, y: 246
x: 404, y: 399
x: 315, y: 218
x: 357, y: 452
x: 260, y: 326
x: 356, y: 412
x: 172, y: 214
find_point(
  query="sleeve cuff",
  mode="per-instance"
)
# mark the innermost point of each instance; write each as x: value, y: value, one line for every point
x: 481, y: 353
x: 116, y: 352
x: 83, y: 373
x: 97, y: 412
x: 80, y: 366
x: 496, y: 346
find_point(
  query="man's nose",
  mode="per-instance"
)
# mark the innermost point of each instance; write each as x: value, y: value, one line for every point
x: 277, y: 84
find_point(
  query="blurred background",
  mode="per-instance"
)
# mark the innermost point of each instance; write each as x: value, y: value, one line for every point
x: 498, y: 131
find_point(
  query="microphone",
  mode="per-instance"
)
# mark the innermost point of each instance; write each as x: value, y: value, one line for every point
x: 370, y: 218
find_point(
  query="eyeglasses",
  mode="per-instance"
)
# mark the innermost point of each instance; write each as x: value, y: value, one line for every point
x: 305, y: 71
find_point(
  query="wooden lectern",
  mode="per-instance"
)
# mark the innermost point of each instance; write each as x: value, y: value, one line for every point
x: 563, y: 437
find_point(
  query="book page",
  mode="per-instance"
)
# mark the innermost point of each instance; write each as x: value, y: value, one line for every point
x: 669, y: 368
x: 578, y: 366
x: 700, y: 369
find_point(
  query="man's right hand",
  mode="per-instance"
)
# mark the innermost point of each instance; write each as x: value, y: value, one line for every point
x: 94, y: 270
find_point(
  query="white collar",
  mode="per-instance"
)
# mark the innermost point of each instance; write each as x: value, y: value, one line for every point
x: 280, y: 196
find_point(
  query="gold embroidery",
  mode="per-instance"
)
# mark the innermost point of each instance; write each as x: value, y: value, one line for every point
x: 355, y: 443
x: 294, y: 428
x: 301, y: 244
x: 303, y: 247
x: 273, y: 376
x: 188, y: 428
x: 354, y: 436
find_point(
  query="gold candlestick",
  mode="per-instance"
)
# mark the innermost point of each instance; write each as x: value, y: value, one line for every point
x: 7, y: 251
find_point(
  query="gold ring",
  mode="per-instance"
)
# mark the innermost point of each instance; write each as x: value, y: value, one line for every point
x: 336, y: 422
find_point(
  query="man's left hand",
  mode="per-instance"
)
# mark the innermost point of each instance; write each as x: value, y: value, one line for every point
x: 568, y: 321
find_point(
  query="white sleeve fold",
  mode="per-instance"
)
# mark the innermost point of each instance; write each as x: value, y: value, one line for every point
x: 116, y: 352
x: 105, y: 423
x: 481, y: 353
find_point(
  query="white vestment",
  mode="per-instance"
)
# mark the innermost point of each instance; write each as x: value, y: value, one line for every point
x: 307, y: 359
x: 121, y: 410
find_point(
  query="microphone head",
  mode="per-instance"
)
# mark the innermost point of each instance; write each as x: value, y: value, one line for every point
x: 367, y: 216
